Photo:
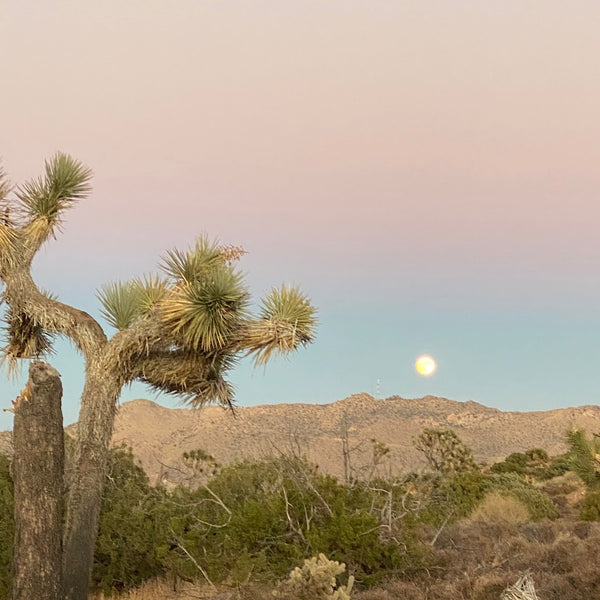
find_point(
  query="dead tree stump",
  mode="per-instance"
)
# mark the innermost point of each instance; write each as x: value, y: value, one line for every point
x: 37, y: 469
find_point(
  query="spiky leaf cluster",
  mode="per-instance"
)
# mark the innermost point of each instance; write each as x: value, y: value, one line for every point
x: 194, y: 264
x: 65, y: 181
x: 204, y: 313
x: 287, y: 320
x: 125, y: 302
x: 202, y: 308
x: 584, y: 457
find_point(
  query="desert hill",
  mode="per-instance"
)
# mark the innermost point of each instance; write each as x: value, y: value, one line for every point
x: 159, y: 436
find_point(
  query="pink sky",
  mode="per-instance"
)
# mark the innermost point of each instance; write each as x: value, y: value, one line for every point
x: 444, y: 153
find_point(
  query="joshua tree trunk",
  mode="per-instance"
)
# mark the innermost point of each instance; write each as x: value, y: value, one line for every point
x: 85, y: 494
x: 38, y: 467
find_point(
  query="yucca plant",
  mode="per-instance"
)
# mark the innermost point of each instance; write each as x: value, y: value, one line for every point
x: 584, y: 457
x: 181, y: 332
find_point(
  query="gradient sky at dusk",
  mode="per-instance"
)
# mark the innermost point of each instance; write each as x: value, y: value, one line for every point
x: 428, y: 172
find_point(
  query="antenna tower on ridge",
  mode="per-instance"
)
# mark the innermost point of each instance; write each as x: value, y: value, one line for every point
x: 378, y: 389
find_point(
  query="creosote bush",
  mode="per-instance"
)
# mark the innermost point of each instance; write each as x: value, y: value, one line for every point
x: 589, y: 509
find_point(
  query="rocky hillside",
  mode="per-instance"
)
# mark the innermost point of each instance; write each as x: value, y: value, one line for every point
x: 159, y: 435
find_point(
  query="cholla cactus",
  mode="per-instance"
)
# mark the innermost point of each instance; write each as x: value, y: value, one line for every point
x: 316, y: 580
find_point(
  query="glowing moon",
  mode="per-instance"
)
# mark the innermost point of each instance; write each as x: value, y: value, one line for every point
x: 425, y: 365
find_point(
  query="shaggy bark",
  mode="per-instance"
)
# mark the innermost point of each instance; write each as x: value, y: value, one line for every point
x: 38, y: 467
x: 95, y: 422
x: 85, y: 493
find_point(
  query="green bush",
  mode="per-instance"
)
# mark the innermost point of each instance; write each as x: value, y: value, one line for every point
x: 455, y: 497
x: 270, y: 515
x: 589, y: 510
x: 450, y: 499
x: 534, y: 463
x: 514, y: 463
x: 538, y: 502
x: 558, y: 466
x: 128, y: 528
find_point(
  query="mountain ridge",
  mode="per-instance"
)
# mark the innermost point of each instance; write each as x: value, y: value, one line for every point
x: 159, y: 436
x: 316, y: 431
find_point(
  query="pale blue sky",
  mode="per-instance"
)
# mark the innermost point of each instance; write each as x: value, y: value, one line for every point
x: 427, y: 172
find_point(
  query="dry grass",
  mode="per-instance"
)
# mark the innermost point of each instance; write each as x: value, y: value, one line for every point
x: 501, y: 509
x: 163, y: 589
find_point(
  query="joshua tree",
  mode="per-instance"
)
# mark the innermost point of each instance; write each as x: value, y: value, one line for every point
x: 444, y: 451
x: 180, y: 332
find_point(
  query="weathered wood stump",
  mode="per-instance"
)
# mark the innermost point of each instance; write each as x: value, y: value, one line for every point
x: 37, y: 469
x: 522, y: 590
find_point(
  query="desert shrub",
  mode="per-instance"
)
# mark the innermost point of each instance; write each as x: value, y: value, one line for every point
x: 566, y: 491
x: 7, y: 528
x: 540, y: 533
x: 564, y: 485
x: 538, y: 503
x: 498, y: 508
x: 559, y: 465
x: 533, y: 464
x: 513, y: 463
x: 273, y: 513
x: 455, y: 497
x: 468, y: 544
x: 407, y: 590
x: 582, y: 529
x: 490, y: 586
x: 589, y: 509
x: 128, y: 529
x: 564, y: 554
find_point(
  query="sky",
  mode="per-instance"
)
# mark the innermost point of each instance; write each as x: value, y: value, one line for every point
x: 427, y: 172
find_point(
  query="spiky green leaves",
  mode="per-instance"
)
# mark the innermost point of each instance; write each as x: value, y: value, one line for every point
x: 194, y: 264
x: 125, y: 303
x: 287, y: 320
x: 202, y: 314
x: 584, y: 456
x: 290, y: 305
x: 65, y: 181
x: 42, y: 200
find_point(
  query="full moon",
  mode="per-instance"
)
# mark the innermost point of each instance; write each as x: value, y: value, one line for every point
x: 425, y: 365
